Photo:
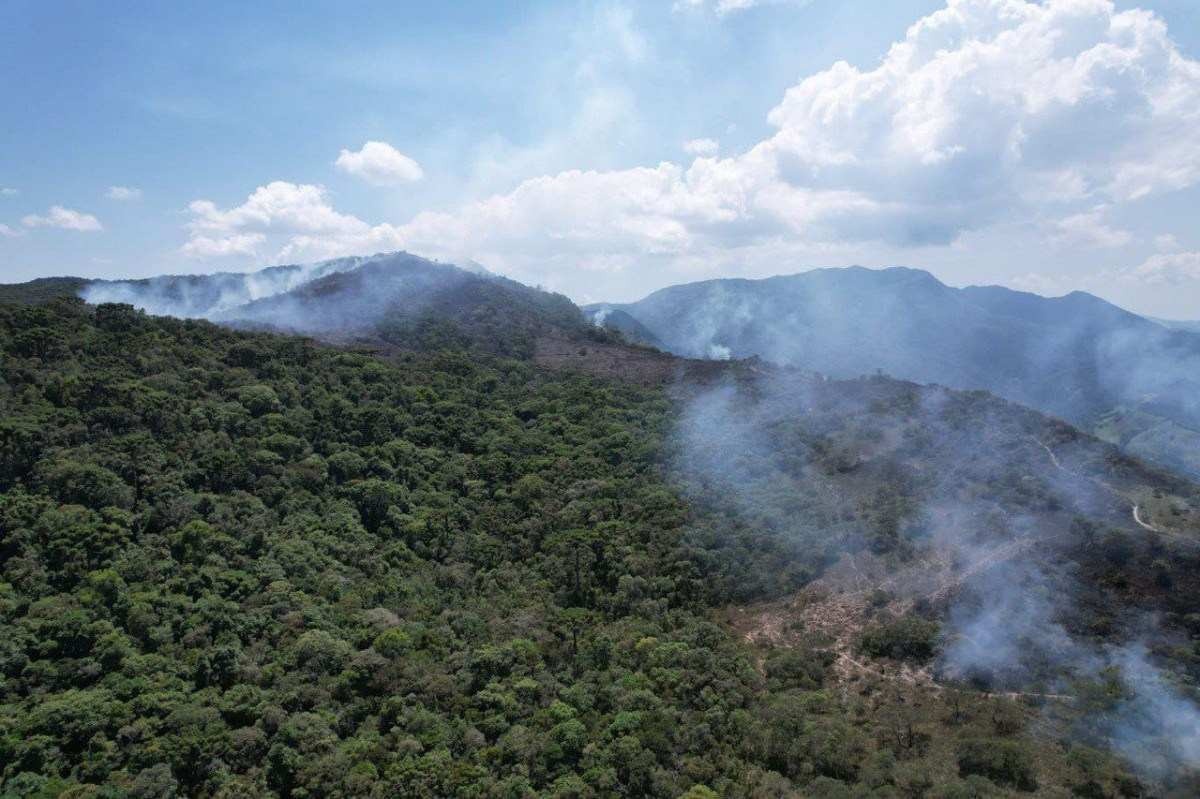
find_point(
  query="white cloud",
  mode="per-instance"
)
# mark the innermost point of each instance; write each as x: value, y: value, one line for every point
x: 701, y: 147
x: 123, y: 193
x: 280, y: 205
x: 8, y: 192
x: 296, y: 218
x: 1088, y: 229
x: 236, y: 244
x: 64, y: 218
x: 988, y: 103
x: 380, y: 164
x: 1169, y: 268
x: 988, y: 113
x: 9, y: 232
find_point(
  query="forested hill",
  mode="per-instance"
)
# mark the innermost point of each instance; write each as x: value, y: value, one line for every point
x: 36, y: 292
x: 239, y: 564
x: 243, y: 564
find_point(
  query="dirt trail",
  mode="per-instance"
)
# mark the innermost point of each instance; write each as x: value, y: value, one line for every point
x: 1143, y: 524
x: 1109, y: 488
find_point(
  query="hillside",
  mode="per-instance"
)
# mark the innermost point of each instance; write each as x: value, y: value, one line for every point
x: 404, y: 300
x: 1173, y: 324
x: 240, y: 563
x: 1076, y: 357
x: 237, y: 564
x: 36, y: 292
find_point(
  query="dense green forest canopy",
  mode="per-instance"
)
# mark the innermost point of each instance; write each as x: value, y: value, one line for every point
x: 240, y: 564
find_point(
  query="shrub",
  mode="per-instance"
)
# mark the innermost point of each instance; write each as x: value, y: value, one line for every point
x: 1005, y: 762
x: 910, y: 638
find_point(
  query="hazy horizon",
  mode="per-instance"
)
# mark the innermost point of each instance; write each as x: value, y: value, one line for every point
x: 608, y: 149
x: 756, y: 278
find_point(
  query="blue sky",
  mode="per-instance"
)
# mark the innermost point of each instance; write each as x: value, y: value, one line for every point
x: 550, y: 139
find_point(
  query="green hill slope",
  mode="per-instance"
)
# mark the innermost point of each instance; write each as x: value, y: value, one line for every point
x: 240, y: 564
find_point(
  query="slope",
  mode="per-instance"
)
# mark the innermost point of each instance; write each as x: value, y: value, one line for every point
x: 242, y: 564
x: 1076, y: 357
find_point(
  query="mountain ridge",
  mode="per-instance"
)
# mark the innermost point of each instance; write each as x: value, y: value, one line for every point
x: 1076, y: 356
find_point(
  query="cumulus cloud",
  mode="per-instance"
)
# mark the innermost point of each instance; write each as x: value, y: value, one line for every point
x: 380, y: 164
x: 123, y: 193
x: 1169, y: 268
x: 9, y: 232
x: 701, y: 147
x: 201, y: 246
x: 64, y: 218
x: 279, y: 205
x: 987, y: 113
x: 298, y: 218
x: 1088, y: 229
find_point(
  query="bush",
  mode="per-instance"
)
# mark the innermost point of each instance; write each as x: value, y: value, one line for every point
x: 797, y: 668
x: 1005, y: 762
x: 910, y: 638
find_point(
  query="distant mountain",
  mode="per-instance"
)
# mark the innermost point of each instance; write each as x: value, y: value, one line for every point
x: 403, y: 299
x: 1177, y: 324
x: 43, y: 289
x: 1076, y: 356
x: 1131, y: 380
x: 210, y: 296
x: 634, y: 331
x: 388, y: 301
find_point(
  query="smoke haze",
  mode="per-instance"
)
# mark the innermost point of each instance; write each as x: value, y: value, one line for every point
x: 956, y: 498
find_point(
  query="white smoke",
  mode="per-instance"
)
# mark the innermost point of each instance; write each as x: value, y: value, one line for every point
x: 213, y: 296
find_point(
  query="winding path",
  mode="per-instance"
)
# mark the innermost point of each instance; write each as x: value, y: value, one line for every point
x: 1143, y: 524
x: 1136, y: 508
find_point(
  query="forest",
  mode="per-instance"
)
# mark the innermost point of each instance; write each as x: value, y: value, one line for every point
x: 237, y: 564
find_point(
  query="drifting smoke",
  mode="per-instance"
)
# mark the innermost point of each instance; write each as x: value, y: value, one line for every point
x: 347, y: 295
x: 599, y: 316
x: 986, y: 533
x: 1155, y: 725
x: 213, y: 296
x: 1076, y: 357
x: 1006, y: 634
